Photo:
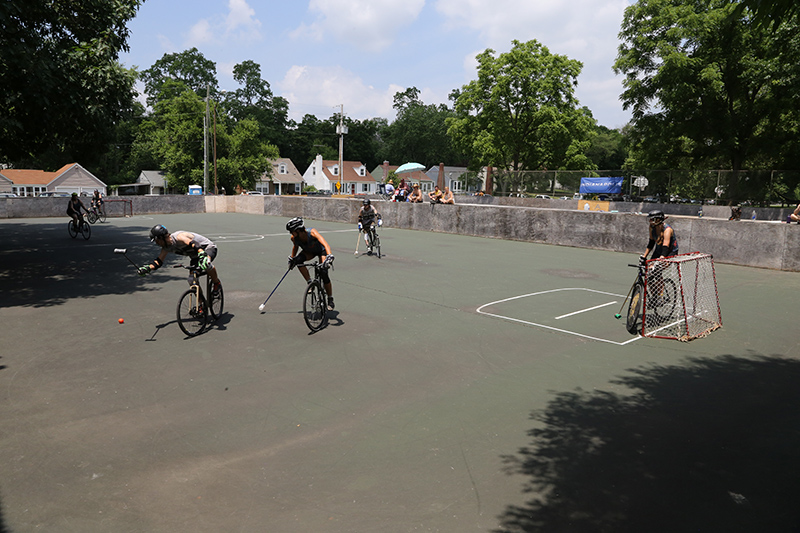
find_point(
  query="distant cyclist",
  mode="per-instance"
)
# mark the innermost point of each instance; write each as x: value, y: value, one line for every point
x: 366, y: 218
x: 199, y: 249
x: 309, y: 244
x: 74, y: 209
x: 663, y: 241
x: 97, y: 201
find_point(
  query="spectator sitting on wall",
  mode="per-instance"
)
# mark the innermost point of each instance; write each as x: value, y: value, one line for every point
x: 447, y: 198
x: 416, y: 195
x: 435, y: 195
x: 794, y: 216
x: 736, y: 212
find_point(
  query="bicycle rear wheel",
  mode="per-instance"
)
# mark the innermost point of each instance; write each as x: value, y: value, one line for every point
x: 215, y: 301
x: 71, y: 229
x: 192, y: 312
x: 315, y: 306
x: 376, y: 245
x: 633, y: 323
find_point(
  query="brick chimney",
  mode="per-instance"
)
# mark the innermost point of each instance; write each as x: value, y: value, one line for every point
x: 440, y: 179
x: 489, y: 187
x: 385, y: 170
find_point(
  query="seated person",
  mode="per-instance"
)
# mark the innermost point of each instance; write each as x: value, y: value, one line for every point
x: 736, y: 212
x: 399, y: 195
x: 794, y: 216
x: 416, y: 195
x: 435, y: 195
x: 447, y: 198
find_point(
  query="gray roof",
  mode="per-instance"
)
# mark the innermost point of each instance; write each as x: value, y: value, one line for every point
x: 153, y: 177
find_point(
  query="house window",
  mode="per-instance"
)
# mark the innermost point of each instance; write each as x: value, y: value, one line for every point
x: 282, y: 168
x: 335, y: 171
x: 362, y: 171
x: 456, y: 186
x: 298, y: 188
x: 365, y: 187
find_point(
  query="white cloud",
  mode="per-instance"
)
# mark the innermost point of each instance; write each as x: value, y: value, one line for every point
x: 239, y: 25
x: 366, y: 24
x: 321, y: 90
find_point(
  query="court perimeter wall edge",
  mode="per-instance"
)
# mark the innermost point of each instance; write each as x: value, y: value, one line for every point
x: 747, y: 243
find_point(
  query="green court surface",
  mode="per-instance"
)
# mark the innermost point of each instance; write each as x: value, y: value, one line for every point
x: 463, y: 384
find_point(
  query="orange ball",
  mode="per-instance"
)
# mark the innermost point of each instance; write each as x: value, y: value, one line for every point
x: 121, y: 321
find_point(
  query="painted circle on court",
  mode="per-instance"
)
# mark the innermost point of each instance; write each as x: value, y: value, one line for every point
x: 237, y: 237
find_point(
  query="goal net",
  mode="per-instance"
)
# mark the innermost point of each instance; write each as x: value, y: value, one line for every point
x: 118, y: 207
x: 681, y: 300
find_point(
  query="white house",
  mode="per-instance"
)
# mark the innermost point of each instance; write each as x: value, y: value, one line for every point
x: 325, y: 176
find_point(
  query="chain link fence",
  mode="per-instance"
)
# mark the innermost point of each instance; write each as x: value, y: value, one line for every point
x: 747, y: 187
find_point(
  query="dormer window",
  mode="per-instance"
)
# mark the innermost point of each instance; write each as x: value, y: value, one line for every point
x: 282, y: 168
x: 335, y: 170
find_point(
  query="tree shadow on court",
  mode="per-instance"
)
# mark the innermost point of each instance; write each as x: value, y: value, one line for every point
x: 41, y: 266
x: 711, y: 445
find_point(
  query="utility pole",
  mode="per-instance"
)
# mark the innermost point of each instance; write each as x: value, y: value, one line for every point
x: 341, y: 130
x: 205, y: 145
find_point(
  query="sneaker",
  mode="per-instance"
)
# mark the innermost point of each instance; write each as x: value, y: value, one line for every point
x: 216, y: 289
x: 331, y: 305
x: 369, y: 250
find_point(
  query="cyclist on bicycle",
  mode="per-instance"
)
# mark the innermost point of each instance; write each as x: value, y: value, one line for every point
x: 307, y: 245
x: 366, y: 218
x: 200, y: 249
x: 74, y: 209
x: 663, y: 241
x: 97, y: 201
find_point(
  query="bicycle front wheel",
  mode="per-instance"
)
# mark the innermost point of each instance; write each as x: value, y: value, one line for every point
x: 315, y: 306
x: 376, y: 243
x: 635, y: 310
x: 101, y: 214
x: 92, y: 217
x: 86, y: 230
x: 216, y: 300
x: 73, y: 231
x: 192, y: 312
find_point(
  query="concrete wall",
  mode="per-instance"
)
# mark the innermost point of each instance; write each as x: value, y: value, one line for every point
x: 758, y: 244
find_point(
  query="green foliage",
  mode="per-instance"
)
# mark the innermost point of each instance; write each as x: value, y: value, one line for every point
x: 63, y: 87
x: 189, y: 67
x: 419, y: 133
x: 707, y: 88
x: 521, y: 112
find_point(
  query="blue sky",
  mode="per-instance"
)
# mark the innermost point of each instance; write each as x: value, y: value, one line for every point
x: 320, y: 54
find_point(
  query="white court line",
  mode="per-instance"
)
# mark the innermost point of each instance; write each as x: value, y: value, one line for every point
x: 584, y: 310
x: 480, y: 311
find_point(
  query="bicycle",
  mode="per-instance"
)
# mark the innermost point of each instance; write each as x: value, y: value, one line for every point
x: 83, y: 228
x: 661, y: 294
x: 193, y: 310
x: 373, y: 240
x: 97, y: 213
x: 315, y: 299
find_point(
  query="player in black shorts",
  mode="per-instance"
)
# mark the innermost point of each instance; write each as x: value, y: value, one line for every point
x: 309, y: 244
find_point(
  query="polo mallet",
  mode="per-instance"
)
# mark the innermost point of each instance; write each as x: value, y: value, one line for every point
x: 358, y: 241
x: 619, y: 315
x: 122, y: 251
x: 261, y: 307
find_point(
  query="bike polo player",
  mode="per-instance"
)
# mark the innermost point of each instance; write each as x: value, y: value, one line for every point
x: 663, y: 241
x: 312, y: 244
x: 200, y: 249
x: 366, y: 217
x: 74, y: 209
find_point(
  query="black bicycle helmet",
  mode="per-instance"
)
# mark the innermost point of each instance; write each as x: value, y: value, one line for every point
x: 296, y: 224
x: 158, y: 231
x: 366, y: 202
x: 656, y: 215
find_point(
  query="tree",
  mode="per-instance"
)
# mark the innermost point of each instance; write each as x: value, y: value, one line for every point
x: 189, y: 67
x: 419, y: 133
x: 707, y: 88
x: 521, y: 112
x: 254, y: 100
x: 63, y: 87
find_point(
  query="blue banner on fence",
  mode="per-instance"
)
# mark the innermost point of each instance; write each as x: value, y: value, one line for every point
x: 601, y: 185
